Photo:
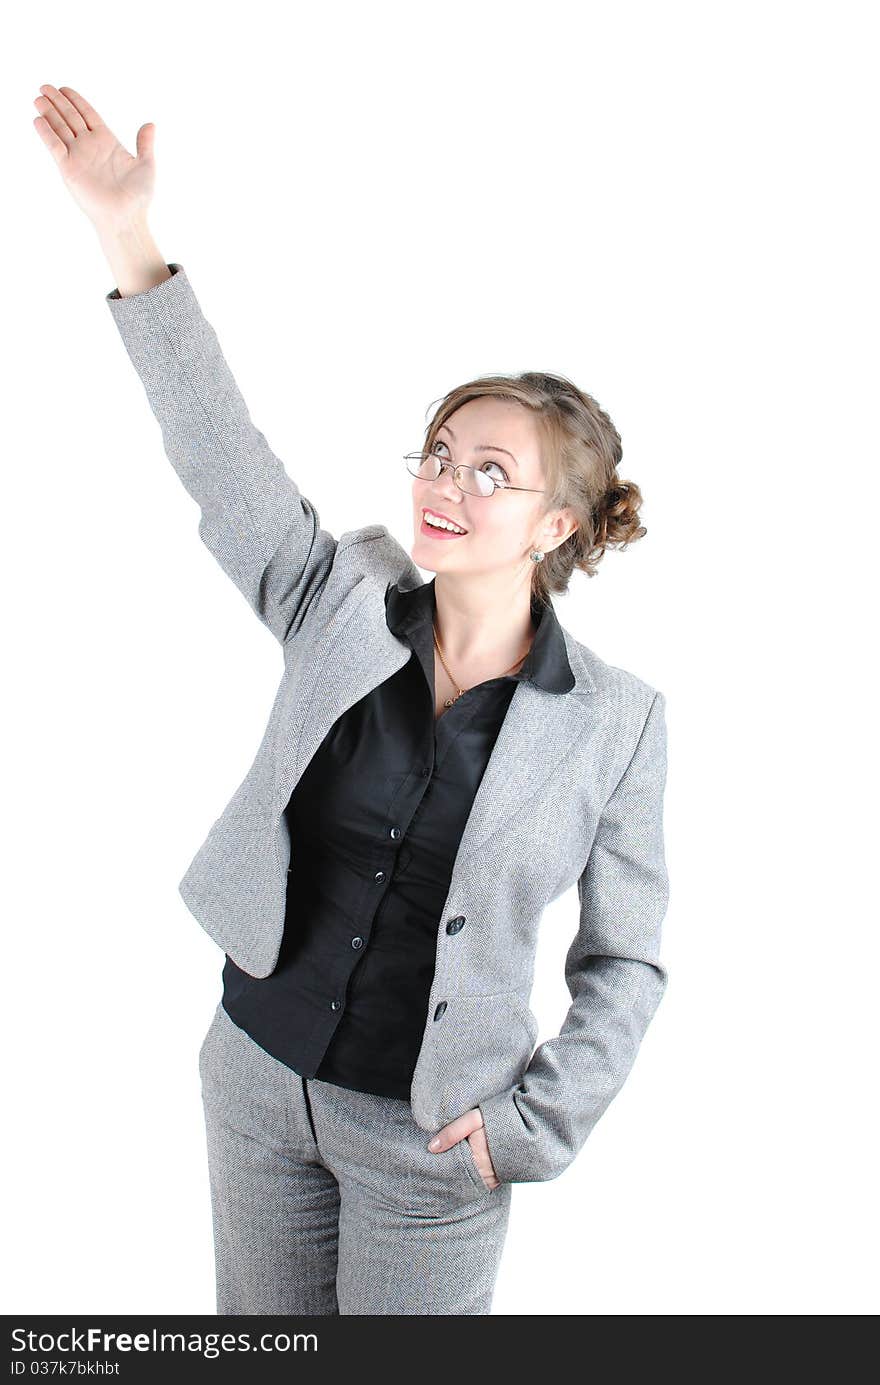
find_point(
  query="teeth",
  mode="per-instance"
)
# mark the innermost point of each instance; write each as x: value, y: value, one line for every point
x: 444, y: 524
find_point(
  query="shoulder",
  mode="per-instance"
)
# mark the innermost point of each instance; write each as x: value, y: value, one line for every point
x: 625, y: 713
x: 364, y: 560
x: 374, y: 552
x: 609, y: 689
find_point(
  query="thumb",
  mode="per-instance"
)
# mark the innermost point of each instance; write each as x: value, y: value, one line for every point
x: 145, y: 137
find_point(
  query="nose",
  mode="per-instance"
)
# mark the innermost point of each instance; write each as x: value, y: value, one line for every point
x: 447, y: 484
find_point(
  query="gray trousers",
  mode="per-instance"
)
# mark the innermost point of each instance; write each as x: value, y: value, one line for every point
x: 326, y: 1200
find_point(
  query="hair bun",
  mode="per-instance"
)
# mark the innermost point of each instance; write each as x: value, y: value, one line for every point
x: 617, y: 515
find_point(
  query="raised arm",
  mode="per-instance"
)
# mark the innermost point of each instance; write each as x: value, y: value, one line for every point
x: 255, y: 521
x: 263, y: 532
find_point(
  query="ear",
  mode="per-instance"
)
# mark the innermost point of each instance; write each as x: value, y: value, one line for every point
x: 557, y: 527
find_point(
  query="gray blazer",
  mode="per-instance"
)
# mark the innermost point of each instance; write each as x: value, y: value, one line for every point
x: 573, y: 792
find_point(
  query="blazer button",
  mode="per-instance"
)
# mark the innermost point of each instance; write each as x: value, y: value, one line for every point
x: 395, y: 834
x: 335, y: 1004
x: 379, y: 877
x: 455, y: 925
x: 357, y: 942
x: 440, y: 1008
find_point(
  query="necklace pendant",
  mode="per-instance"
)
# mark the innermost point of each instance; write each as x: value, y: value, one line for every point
x: 449, y: 701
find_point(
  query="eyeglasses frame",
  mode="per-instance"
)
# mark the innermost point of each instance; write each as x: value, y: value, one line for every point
x: 462, y: 466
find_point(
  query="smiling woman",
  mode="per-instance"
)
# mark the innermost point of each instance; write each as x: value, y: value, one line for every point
x: 442, y: 758
x: 557, y: 442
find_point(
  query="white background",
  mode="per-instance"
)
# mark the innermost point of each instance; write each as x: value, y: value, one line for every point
x: 673, y: 205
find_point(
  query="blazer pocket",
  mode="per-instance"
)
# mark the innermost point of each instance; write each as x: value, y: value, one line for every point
x: 489, y: 1040
x: 521, y: 1008
x: 470, y: 1165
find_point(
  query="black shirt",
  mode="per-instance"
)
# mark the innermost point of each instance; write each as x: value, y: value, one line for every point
x: 375, y: 825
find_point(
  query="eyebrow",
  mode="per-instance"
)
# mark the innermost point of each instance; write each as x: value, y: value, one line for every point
x: 483, y: 446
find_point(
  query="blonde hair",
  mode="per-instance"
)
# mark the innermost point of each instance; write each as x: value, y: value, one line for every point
x: 580, y: 453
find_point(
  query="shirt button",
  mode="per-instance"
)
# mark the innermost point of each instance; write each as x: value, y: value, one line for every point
x: 426, y: 774
x: 455, y: 925
x: 379, y: 877
x: 357, y: 942
x: 440, y: 1008
x: 335, y: 1004
x: 395, y: 834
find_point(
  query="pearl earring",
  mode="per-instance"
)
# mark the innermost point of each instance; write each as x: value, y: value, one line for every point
x: 536, y: 555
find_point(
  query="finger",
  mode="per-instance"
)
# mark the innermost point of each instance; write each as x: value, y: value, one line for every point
x: 453, y: 1132
x: 146, y: 137
x: 65, y: 109
x: 57, y: 148
x: 68, y: 110
x: 444, y: 1138
x: 59, y: 126
x: 89, y: 115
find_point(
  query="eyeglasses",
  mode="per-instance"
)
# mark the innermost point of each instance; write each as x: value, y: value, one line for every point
x: 427, y: 466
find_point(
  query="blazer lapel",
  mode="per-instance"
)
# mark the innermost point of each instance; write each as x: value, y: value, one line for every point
x: 359, y: 651
x: 540, y: 730
x: 353, y: 656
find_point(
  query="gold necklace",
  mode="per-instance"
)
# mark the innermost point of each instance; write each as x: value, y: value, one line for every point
x: 461, y: 691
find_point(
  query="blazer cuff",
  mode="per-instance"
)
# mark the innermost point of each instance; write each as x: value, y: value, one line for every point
x: 177, y: 284
x: 515, y: 1150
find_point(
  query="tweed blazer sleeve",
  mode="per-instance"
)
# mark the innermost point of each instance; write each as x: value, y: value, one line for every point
x: 256, y: 522
x: 613, y: 973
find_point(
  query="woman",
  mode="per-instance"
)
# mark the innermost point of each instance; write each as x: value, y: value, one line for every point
x: 442, y: 760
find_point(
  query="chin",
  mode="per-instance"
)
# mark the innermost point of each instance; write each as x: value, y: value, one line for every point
x: 422, y: 560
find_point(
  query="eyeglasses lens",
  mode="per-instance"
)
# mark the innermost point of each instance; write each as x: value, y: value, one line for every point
x: 426, y: 466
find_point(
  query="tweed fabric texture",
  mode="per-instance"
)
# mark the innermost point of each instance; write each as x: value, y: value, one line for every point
x: 346, y: 1001
x: 572, y: 793
x: 326, y: 1200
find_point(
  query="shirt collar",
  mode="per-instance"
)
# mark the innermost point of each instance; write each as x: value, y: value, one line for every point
x: 546, y: 664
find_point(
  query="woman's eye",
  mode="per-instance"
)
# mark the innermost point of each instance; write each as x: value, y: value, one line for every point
x: 499, y: 467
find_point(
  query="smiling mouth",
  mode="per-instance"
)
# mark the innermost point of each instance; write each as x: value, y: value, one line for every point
x: 439, y: 529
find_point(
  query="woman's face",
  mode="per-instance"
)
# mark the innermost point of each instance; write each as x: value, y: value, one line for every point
x: 497, y: 436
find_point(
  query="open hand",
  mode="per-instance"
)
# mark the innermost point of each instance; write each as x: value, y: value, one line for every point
x: 468, y: 1126
x: 111, y: 185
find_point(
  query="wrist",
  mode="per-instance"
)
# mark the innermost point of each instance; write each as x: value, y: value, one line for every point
x: 130, y: 236
x: 133, y: 255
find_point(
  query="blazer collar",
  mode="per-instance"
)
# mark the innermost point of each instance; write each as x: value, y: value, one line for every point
x: 540, y: 737
x: 408, y: 609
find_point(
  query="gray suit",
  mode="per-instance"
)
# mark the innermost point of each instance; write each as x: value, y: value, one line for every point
x: 573, y: 792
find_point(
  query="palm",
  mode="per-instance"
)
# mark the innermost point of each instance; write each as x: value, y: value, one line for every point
x: 102, y: 176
